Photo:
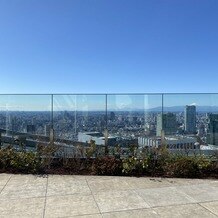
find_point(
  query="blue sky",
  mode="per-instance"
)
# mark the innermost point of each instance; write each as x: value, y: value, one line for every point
x: 112, y: 46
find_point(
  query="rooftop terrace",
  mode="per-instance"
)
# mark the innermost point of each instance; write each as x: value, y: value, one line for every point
x: 59, y: 119
x: 96, y: 196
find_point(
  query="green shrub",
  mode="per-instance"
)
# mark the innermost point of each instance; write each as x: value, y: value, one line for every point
x: 157, y: 159
x: 6, y: 154
x: 25, y: 162
x: 155, y: 162
x: 181, y: 166
x: 47, y: 154
x: 77, y: 165
x: 134, y: 166
x: 187, y: 166
x: 107, y: 166
x: 92, y: 150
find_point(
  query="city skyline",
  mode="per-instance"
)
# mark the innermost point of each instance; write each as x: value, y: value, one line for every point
x: 122, y: 124
x: 114, y: 46
x: 182, y: 127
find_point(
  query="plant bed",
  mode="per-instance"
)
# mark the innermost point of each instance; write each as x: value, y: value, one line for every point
x: 156, y: 165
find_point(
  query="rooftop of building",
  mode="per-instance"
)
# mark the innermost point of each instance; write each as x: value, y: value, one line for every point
x: 95, y: 134
x: 171, y: 137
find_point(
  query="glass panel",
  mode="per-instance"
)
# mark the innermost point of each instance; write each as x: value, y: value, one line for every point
x: 78, y: 114
x: 24, y: 116
x: 132, y: 118
x: 64, y: 117
x: 191, y: 119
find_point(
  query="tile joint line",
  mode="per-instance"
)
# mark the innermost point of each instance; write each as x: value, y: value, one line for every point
x: 45, y: 197
x: 93, y: 196
x: 6, y: 184
x: 207, y: 208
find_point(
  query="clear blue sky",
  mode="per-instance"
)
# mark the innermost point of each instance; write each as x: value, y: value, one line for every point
x: 95, y: 46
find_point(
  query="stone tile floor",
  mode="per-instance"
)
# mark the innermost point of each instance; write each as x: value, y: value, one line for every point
x: 98, y: 196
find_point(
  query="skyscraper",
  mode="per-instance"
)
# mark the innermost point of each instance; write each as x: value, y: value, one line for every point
x: 190, y: 119
x: 212, y: 134
x: 166, y: 122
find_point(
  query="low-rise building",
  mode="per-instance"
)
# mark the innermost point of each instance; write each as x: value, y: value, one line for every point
x: 171, y: 142
x: 98, y: 137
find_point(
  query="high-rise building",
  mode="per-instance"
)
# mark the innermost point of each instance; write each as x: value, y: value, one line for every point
x: 112, y: 116
x: 47, y: 129
x: 212, y: 134
x: 190, y: 119
x: 11, y: 123
x: 201, y: 130
x: 30, y: 128
x: 167, y: 123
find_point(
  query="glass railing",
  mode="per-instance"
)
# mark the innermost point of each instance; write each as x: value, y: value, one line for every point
x: 181, y: 122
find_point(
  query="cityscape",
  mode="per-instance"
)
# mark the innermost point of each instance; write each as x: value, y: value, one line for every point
x: 181, y: 128
x: 108, y: 108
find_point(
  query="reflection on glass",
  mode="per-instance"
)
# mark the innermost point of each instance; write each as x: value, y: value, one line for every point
x: 195, y: 120
x: 186, y: 122
x: 64, y: 117
x: 24, y: 116
x: 25, y: 113
x: 132, y: 118
x: 74, y: 114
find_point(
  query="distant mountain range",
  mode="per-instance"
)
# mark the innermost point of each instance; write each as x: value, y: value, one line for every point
x: 204, y: 109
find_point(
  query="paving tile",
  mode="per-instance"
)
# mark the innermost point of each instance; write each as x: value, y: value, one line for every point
x: 26, y: 186
x: 67, y: 185
x: 201, y: 193
x: 119, y: 200
x: 78, y: 177
x: 4, y: 178
x: 1, y: 187
x: 70, y: 205
x: 183, y: 211
x: 186, y: 182
x: 164, y: 196
x: 22, y: 215
x: 14, y: 192
x: 88, y: 216
x: 214, y: 183
x: 108, y: 185
x: 212, y: 206
x: 28, y: 179
x: 57, y: 178
x: 141, y: 213
x: 103, y: 178
x: 143, y: 182
x: 22, y: 193
x: 32, y: 207
x: 70, y: 196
